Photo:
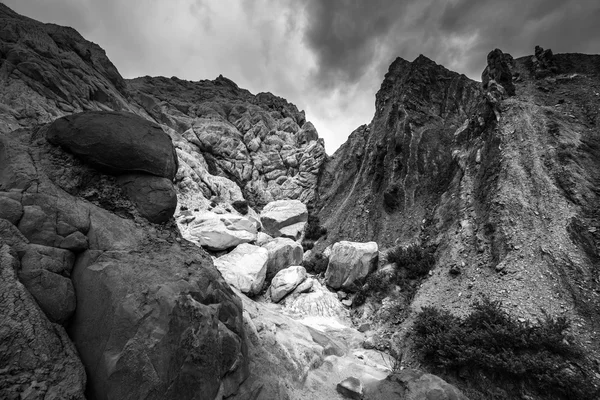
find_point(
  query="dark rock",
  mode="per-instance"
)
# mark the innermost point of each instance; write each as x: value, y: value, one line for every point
x: 54, y: 293
x: 154, y: 197
x: 455, y: 270
x: 116, y: 142
x: 75, y: 242
x: 364, y: 327
x: 543, y: 63
x: 413, y: 384
x: 38, y: 359
x: 10, y: 210
x: 59, y: 261
x: 497, y: 76
x: 351, y: 388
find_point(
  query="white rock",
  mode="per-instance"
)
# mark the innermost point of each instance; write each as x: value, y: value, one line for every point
x: 318, y: 302
x: 219, y: 231
x: 245, y: 268
x: 286, y: 281
x: 294, y: 231
x: 262, y: 238
x: 327, y: 251
x: 349, y: 262
x: 281, y: 213
x: 283, y: 253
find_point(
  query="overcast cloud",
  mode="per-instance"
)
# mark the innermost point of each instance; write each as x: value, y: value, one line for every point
x: 326, y: 56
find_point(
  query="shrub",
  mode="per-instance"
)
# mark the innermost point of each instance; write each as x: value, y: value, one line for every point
x: 316, y: 264
x: 492, y: 342
x: 414, y: 261
x: 307, y: 245
x: 314, y: 230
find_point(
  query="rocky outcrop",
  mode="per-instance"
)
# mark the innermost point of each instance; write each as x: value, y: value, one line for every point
x: 349, y: 263
x: 116, y: 142
x: 543, y: 63
x: 380, y: 185
x: 38, y: 359
x: 497, y: 76
x: 283, y: 253
x: 150, y: 309
x: 218, y: 231
x: 282, y: 214
x: 245, y: 268
x: 285, y: 281
x: 412, y: 384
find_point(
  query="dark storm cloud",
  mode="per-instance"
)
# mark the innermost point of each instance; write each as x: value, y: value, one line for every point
x: 349, y: 37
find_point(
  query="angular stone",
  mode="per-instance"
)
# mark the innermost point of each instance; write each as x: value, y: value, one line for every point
x: 59, y: 261
x: 76, y: 242
x: 262, y: 238
x: 154, y: 197
x: 351, y: 388
x: 209, y: 230
x: 283, y: 253
x: 281, y: 213
x: 116, y: 142
x: 286, y: 281
x: 293, y: 231
x: 245, y: 268
x: 10, y: 210
x: 54, y: 293
x: 349, y: 262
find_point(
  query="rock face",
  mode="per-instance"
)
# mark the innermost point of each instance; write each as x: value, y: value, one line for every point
x: 38, y: 359
x: 151, y: 312
x: 285, y: 281
x: 117, y: 142
x: 413, y: 384
x: 245, y: 268
x: 350, y: 262
x: 380, y: 184
x: 281, y: 214
x: 283, y: 252
x: 497, y: 77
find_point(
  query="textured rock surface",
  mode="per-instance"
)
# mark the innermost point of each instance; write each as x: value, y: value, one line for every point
x: 497, y: 75
x: 219, y: 231
x: 285, y: 281
x: 245, y: 268
x: 350, y: 262
x: 117, y: 142
x: 153, y: 315
x: 38, y: 359
x: 154, y: 197
x: 351, y: 388
x: 411, y: 384
x: 283, y: 252
x: 280, y: 214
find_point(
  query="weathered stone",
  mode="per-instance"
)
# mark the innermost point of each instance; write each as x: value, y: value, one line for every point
x: 38, y: 359
x: 351, y: 388
x: 116, y: 142
x: 262, y: 238
x: 281, y: 213
x: 59, y: 261
x: 54, y: 293
x: 210, y: 230
x: 349, y: 262
x: 285, y: 281
x: 245, y: 268
x: 10, y: 209
x: 283, y: 253
x: 75, y: 242
x: 497, y: 76
x: 294, y: 231
x: 154, y: 197
x: 412, y: 384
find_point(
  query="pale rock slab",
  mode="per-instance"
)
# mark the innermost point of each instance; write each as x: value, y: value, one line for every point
x: 282, y: 213
x: 218, y: 231
x: 349, y: 262
x: 244, y: 268
x: 283, y: 253
x: 286, y: 281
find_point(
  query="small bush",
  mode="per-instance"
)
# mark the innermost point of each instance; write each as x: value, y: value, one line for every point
x: 414, y: 261
x: 307, y: 245
x: 314, y: 230
x: 316, y: 264
x: 492, y: 342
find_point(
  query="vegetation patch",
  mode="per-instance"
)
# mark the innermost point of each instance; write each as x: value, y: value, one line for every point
x: 316, y: 264
x: 314, y: 230
x: 536, y: 358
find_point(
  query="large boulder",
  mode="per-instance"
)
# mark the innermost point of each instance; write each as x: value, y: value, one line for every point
x: 154, y: 196
x: 116, y: 142
x: 218, y: 231
x: 350, y: 262
x: 53, y: 292
x: 282, y: 213
x: 283, y: 253
x: 412, y: 384
x: 38, y: 359
x: 286, y: 281
x: 245, y: 268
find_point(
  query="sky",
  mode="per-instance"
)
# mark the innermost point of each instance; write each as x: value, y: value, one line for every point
x: 326, y: 56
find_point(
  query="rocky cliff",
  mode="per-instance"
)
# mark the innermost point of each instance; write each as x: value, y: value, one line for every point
x: 501, y: 178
